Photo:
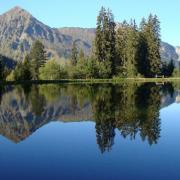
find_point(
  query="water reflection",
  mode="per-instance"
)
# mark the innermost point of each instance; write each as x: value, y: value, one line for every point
x: 130, y: 108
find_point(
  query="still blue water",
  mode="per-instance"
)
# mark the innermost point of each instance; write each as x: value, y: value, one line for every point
x: 70, y: 148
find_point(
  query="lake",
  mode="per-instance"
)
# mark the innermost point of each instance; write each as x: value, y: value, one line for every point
x: 90, y: 131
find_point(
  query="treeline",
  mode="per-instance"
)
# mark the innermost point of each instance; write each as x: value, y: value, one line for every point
x: 122, y: 50
x: 29, y: 68
x: 128, y: 50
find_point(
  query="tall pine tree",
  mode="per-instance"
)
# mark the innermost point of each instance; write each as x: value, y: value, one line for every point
x: 38, y: 58
x: 74, y: 54
x: 127, y: 40
x: 151, y: 49
x: 132, y: 49
x: 121, y: 42
x: 143, y: 64
x: 105, y: 40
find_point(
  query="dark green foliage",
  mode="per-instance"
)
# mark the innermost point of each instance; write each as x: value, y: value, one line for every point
x: 92, y: 69
x: 131, y: 108
x: 74, y: 54
x: 19, y: 72
x: 22, y: 70
x: 121, y: 37
x: 127, y: 42
x: 81, y: 55
x: 27, y: 66
x: 38, y: 58
x: 6, y: 64
x: 150, y: 47
x: 34, y: 69
x: 104, y: 116
x: 171, y: 68
x: 85, y: 68
x: 132, y: 49
x: 105, y: 39
x: 138, y: 50
x: 38, y: 53
x: 142, y: 63
x: 168, y: 69
x: 127, y: 52
x: 148, y: 102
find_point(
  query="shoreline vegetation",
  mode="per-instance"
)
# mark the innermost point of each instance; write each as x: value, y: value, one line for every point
x: 120, y: 52
x: 92, y: 81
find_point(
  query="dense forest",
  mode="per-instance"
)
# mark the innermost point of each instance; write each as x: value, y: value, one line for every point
x: 123, y: 50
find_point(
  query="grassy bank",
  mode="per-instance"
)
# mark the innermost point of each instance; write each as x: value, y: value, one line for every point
x: 114, y: 80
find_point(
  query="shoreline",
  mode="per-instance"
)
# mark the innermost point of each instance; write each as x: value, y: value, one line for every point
x: 82, y: 81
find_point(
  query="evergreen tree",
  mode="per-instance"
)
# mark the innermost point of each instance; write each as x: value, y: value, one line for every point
x: 99, y: 36
x: 18, y: 72
x: 81, y: 55
x: 34, y: 69
x: 105, y: 39
x: 92, y: 69
x: 121, y: 42
x: 171, y: 68
x: 38, y: 58
x: 142, y: 64
x: 127, y: 40
x: 168, y: 69
x: 27, y: 67
x: 152, y: 42
x: 22, y: 70
x: 131, y: 51
x: 111, y: 54
x: 74, y: 54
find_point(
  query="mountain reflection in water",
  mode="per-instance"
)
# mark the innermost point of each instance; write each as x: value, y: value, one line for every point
x: 132, y: 109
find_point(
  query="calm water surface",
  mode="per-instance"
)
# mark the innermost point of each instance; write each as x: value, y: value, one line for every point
x: 102, y: 131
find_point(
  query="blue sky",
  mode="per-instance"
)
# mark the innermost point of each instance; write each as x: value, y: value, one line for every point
x: 82, y: 13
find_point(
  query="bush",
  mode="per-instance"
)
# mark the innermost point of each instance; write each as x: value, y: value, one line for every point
x: 176, y: 72
x: 52, y: 71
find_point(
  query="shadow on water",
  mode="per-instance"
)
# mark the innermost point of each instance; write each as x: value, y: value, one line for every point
x: 132, y: 109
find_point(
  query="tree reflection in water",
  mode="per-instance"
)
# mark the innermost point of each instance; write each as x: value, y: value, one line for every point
x: 130, y: 108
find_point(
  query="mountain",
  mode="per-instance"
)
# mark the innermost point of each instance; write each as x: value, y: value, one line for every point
x: 178, y: 52
x: 169, y: 52
x: 81, y: 35
x: 19, y: 29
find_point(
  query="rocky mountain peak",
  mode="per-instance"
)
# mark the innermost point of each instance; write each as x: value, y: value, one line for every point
x: 19, y: 29
x: 17, y: 10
